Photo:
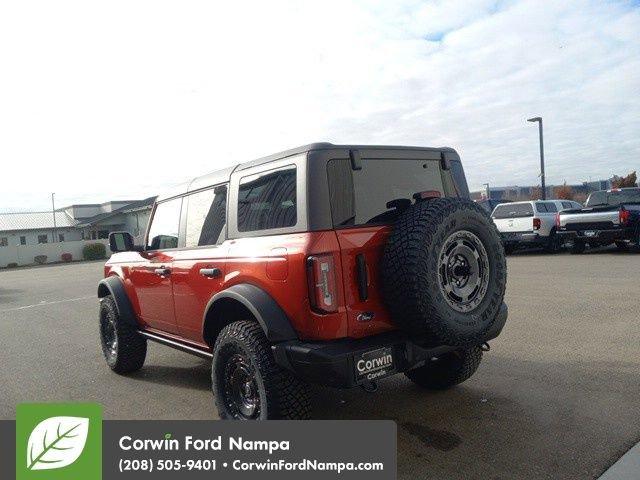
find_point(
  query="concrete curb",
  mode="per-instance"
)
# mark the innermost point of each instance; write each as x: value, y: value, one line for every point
x: 626, y: 468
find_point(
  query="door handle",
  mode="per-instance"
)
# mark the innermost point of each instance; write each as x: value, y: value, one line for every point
x: 210, y: 272
x: 162, y: 271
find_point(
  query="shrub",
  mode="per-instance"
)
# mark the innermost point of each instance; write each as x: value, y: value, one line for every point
x: 66, y: 257
x: 12, y: 265
x: 40, y: 259
x: 94, y: 251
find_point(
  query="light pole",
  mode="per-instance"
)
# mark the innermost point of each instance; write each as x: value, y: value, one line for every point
x: 487, y: 191
x: 53, y: 211
x: 539, y: 120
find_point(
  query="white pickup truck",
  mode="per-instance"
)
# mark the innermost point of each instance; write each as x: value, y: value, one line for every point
x: 609, y: 216
x: 530, y: 224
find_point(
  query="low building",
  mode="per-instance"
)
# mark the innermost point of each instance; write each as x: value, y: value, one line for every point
x: 75, y: 222
x: 515, y: 192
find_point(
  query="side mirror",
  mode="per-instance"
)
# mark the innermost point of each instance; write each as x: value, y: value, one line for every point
x: 120, y: 242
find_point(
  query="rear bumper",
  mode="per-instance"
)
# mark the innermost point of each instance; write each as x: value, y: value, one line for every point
x: 522, y: 238
x: 600, y: 236
x: 334, y: 363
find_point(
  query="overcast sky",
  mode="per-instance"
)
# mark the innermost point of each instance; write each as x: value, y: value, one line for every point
x: 105, y: 100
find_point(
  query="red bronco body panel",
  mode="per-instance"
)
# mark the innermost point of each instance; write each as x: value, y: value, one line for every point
x: 175, y: 303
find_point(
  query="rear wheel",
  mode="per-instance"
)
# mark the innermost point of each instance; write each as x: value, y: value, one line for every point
x: 447, y: 370
x: 123, y: 347
x: 578, y: 248
x: 248, y: 384
x: 554, y: 244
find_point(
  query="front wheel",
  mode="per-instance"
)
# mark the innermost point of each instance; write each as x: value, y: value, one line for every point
x: 123, y: 347
x: 447, y: 370
x: 247, y: 383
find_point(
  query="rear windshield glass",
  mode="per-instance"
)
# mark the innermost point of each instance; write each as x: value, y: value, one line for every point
x: 613, y: 198
x: 380, y: 190
x: 511, y: 210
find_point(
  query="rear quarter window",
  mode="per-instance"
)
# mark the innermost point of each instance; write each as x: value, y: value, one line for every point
x: 510, y: 210
x: 267, y: 201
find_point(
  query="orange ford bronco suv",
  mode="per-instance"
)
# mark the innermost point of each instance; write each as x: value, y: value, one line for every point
x: 330, y: 264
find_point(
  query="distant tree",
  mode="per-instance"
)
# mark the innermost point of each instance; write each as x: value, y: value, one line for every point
x: 564, y: 192
x: 623, y: 182
x: 580, y: 197
x: 536, y: 193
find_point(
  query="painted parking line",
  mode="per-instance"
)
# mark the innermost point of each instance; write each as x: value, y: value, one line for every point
x: 50, y: 302
x: 626, y: 468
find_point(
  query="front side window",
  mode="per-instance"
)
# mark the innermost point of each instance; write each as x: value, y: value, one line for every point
x: 567, y: 205
x: 165, y: 225
x: 267, y: 200
x: 206, y: 217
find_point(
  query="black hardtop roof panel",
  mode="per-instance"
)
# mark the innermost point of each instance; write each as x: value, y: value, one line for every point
x: 223, y: 175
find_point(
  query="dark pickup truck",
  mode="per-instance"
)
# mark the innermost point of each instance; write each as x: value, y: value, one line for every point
x: 609, y: 216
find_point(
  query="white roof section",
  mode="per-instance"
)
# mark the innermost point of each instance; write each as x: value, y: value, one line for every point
x: 34, y: 221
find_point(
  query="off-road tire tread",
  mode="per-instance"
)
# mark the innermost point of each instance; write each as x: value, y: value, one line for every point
x: 132, y: 347
x: 287, y: 396
x: 409, y: 245
x: 440, y: 379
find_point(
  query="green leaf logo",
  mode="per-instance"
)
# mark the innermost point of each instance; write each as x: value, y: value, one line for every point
x: 56, y: 442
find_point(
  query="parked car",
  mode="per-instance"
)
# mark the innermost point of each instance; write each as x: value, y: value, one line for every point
x: 608, y: 217
x: 336, y: 265
x: 530, y: 223
x: 490, y: 204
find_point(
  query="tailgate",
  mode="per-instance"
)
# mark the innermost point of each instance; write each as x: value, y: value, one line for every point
x: 514, y: 225
x: 364, y: 245
x: 587, y: 218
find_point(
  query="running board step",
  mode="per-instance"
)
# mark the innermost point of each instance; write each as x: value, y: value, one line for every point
x: 177, y: 345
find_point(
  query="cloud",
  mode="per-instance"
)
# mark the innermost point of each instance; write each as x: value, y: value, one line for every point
x: 101, y: 101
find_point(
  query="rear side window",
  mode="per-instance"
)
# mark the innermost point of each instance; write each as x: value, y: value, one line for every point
x: 510, y: 210
x: 377, y: 192
x: 165, y: 225
x: 267, y: 201
x: 546, y: 207
x: 206, y: 217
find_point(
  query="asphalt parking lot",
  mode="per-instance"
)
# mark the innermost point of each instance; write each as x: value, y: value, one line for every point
x: 557, y: 396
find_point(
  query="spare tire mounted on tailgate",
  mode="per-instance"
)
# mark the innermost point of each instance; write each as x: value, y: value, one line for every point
x: 444, y: 271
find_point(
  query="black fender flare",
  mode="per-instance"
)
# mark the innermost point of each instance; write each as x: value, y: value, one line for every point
x: 114, y: 286
x: 263, y: 307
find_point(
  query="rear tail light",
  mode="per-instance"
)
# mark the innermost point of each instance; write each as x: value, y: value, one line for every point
x: 558, y: 220
x: 624, y: 216
x: 536, y: 224
x: 321, y: 275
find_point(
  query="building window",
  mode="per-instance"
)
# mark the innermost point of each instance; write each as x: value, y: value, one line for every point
x: 42, y: 239
x: 4, y: 241
x: 23, y: 240
x: 61, y: 237
x: 103, y: 233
